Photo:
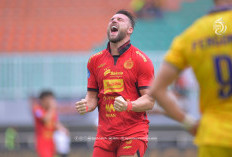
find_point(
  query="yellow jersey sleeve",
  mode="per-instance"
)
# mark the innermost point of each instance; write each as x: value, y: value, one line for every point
x: 176, y: 54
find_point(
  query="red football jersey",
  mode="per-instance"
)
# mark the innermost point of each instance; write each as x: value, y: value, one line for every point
x: 121, y: 75
x: 44, y: 132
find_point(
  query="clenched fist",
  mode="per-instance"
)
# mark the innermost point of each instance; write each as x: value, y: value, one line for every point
x: 120, y: 104
x: 81, y: 106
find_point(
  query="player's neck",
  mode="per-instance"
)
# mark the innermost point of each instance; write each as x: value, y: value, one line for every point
x: 114, y: 46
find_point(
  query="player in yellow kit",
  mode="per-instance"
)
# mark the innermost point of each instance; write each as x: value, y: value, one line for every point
x: 206, y: 46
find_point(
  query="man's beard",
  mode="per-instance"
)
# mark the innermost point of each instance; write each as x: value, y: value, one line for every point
x: 121, y: 35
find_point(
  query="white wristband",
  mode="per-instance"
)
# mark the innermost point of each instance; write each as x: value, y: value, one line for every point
x: 188, y: 122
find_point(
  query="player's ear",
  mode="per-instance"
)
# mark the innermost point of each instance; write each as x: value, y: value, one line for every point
x: 130, y: 30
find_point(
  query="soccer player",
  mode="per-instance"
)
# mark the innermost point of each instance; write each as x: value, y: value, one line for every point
x: 206, y: 46
x: 119, y: 70
x: 46, y: 123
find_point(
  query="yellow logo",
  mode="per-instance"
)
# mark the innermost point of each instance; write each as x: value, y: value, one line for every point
x: 219, y: 26
x: 141, y: 55
x: 116, y: 73
x: 94, y: 55
x: 113, y: 85
x: 129, y: 142
x: 110, y: 115
x: 128, y: 64
x: 112, y: 73
x: 107, y: 72
x: 127, y: 147
x: 110, y: 107
x: 100, y: 66
x: 105, y: 98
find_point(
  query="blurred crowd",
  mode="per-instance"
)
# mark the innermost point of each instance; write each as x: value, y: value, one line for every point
x: 147, y: 9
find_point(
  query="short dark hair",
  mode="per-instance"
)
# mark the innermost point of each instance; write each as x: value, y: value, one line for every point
x: 46, y: 93
x: 129, y: 15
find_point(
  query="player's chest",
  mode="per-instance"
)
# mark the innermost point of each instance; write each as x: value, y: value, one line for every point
x: 123, y: 68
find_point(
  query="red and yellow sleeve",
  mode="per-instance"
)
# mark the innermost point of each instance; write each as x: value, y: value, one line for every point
x: 145, y: 72
x: 92, y: 82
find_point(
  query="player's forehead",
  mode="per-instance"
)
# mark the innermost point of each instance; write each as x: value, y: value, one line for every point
x: 122, y: 16
x: 48, y: 98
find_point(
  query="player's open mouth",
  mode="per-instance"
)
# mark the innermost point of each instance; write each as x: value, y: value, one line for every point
x: 114, y: 29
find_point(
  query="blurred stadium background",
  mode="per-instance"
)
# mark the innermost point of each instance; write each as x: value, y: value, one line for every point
x: 45, y: 44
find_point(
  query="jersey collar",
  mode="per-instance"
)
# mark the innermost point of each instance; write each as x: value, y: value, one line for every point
x: 220, y: 8
x: 122, y: 48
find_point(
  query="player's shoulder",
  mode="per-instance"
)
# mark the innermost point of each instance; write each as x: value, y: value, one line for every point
x: 38, y: 110
x: 198, y: 28
x: 38, y: 107
x: 140, y: 55
x: 195, y: 31
x: 95, y: 56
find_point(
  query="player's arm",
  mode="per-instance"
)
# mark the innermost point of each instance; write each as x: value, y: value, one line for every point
x: 147, y: 104
x: 48, y: 115
x: 175, y: 60
x: 159, y: 91
x: 159, y: 110
x: 50, y: 112
x: 45, y: 117
x: 61, y: 127
x: 145, y: 76
x: 142, y: 104
x: 88, y: 104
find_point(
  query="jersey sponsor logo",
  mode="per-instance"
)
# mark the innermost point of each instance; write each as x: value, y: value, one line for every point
x: 219, y: 26
x: 106, y: 98
x: 110, y: 115
x: 127, y: 147
x: 129, y: 142
x: 141, y: 55
x: 113, y: 73
x: 110, y: 108
x: 113, y: 85
x: 128, y: 64
x: 106, y: 72
x: 116, y: 73
x: 101, y: 65
x: 99, y: 53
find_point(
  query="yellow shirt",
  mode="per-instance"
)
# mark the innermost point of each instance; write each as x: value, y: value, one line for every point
x: 206, y: 46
